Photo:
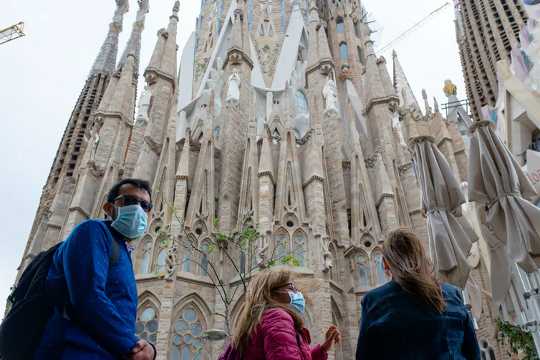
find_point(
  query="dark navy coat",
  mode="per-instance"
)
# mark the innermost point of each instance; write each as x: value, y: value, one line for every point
x: 396, y: 325
x: 99, y: 293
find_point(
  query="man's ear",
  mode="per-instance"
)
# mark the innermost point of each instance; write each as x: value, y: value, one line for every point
x: 109, y: 209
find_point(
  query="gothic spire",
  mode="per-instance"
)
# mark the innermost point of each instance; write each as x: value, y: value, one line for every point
x: 402, y: 86
x: 134, y: 44
x: 106, y: 59
x: 163, y: 61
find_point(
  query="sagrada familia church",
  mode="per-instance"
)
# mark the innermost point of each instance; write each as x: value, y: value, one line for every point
x: 279, y: 117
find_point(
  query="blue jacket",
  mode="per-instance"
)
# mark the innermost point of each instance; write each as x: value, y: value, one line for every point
x: 395, y: 325
x: 97, y: 320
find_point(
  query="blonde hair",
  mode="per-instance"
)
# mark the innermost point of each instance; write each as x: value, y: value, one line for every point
x: 258, y: 298
x: 411, y: 268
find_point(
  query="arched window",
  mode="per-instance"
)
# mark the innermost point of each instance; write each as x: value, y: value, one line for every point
x: 145, y: 259
x: 379, y: 269
x: 161, y: 263
x: 363, y: 270
x: 299, y: 247
x: 146, y: 326
x: 282, y: 245
x: 340, y: 25
x: 187, y: 256
x: 187, y: 335
x: 344, y: 51
x: 205, y: 249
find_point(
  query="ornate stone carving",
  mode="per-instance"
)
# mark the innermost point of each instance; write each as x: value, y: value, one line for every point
x: 233, y: 90
x: 330, y: 97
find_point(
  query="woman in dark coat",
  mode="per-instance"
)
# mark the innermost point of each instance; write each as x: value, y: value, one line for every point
x: 414, y: 316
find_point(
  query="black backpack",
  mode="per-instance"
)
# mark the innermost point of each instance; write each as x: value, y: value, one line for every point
x: 30, y: 307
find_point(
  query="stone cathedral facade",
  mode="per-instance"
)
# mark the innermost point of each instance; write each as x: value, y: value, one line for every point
x: 279, y: 116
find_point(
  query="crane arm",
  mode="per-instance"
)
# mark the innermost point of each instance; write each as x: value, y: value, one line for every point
x: 11, y: 33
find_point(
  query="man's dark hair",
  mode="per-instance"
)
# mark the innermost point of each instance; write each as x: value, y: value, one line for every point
x: 138, y: 183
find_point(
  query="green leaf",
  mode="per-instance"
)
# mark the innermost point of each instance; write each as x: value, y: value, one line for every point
x: 518, y: 339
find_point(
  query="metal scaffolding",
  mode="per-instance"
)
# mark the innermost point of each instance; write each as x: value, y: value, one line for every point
x: 11, y: 33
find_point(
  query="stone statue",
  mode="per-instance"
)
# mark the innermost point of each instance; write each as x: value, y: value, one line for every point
x: 95, y: 145
x: 330, y: 97
x: 233, y: 91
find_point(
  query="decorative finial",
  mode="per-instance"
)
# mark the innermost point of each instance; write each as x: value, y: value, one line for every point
x: 426, y: 102
x: 435, y: 105
x: 176, y: 7
x: 449, y: 88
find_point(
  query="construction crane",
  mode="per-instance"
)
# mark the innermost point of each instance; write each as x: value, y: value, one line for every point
x: 414, y: 27
x: 11, y: 33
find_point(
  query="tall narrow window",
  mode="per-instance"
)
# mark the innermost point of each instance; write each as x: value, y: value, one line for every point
x: 299, y: 247
x: 188, y: 254
x: 363, y: 269
x: 161, y: 263
x: 205, y: 248
x: 242, y: 261
x: 343, y: 51
x: 340, y: 25
x: 379, y: 269
x: 360, y: 55
x: 282, y: 245
x: 187, y: 336
x: 146, y: 326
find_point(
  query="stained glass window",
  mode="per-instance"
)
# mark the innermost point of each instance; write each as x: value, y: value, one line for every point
x: 147, y: 324
x: 187, y: 337
x: 146, y: 257
x: 299, y: 247
x: 379, y: 269
x: 363, y: 270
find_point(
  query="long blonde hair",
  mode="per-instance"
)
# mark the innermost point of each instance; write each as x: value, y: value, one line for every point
x: 412, y: 269
x: 258, y: 298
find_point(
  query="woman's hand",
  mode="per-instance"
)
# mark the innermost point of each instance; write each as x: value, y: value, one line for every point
x: 333, y: 336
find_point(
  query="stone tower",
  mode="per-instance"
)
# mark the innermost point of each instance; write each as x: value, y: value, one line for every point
x: 59, y: 187
x: 487, y: 31
x: 280, y: 117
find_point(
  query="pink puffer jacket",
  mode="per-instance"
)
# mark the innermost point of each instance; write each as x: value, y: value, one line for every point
x: 275, y: 338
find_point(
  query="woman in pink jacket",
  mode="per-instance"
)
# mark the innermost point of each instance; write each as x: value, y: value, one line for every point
x: 270, y: 324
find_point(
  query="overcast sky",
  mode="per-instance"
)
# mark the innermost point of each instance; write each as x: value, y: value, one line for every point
x: 42, y: 75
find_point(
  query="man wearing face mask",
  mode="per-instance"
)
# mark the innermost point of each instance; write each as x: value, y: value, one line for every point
x: 94, y: 286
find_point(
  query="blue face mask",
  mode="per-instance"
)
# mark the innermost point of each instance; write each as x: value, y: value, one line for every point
x: 297, y: 301
x: 131, y: 221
